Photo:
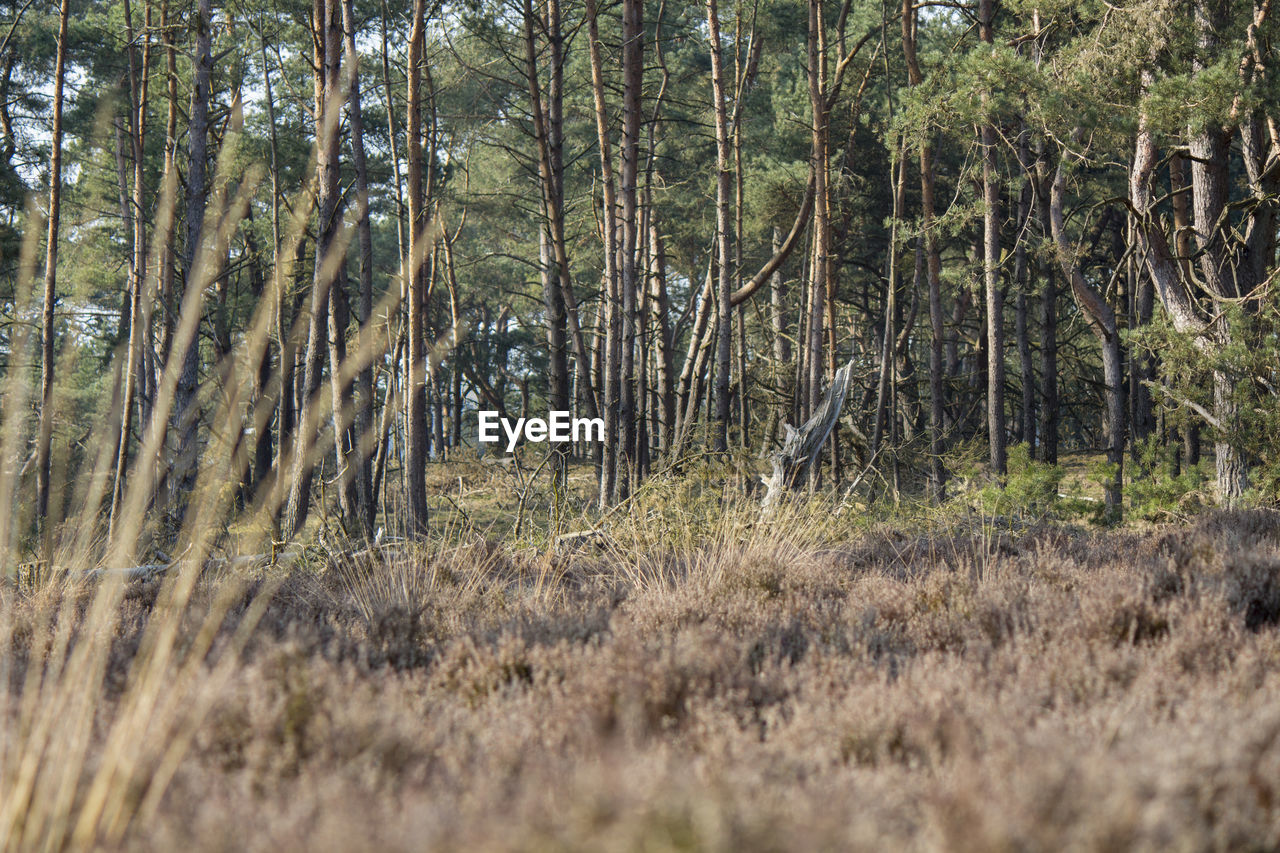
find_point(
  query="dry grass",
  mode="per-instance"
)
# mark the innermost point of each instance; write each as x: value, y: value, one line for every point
x: 763, y: 688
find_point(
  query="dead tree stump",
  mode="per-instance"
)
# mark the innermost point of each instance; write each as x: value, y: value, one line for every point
x: 802, y: 446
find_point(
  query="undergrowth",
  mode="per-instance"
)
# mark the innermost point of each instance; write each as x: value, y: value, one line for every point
x: 685, y: 676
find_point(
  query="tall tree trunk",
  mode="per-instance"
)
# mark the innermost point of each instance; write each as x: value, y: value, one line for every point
x: 744, y: 80
x: 933, y: 265
x: 347, y: 465
x: 389, y: 411
x: 991, y: 271
x: 1049, y: 369
x: 1021, y: 281
x: 286, y: 347
x: 817, y: 49
x: 44, y: 443
x: 135, y: 371
x: 800, y: 395
x: 185, y: 416
x: 660, y: 304
x: 888, y: 356
x: 691, y: 371
x: 557, y: 302
x: 367, y: 506
x: 724, y: 235
x: 344, y: 441
x: 325, y: 268
x: 778, y: 316
x: 612, y: 360
x: 1210, y: 150
x: 553, y: 154
x: 263, y: 448
x: 393, y: 137
x: 1048, y: 331
x: 629, y: 278
x: 165, y: 228
x: 552, y: 230
x: 1142, y: 368
x: 1180, y: 204
x: 416, y: 411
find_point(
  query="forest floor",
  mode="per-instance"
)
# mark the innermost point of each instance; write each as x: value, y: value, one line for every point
x: 485, y: 495
x: 684, y: 681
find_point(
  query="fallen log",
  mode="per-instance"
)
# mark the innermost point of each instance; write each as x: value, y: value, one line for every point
x: 578, y: 539
x: 149, y: 571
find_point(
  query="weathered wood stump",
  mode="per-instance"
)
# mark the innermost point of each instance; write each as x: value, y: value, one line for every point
x: 802, y: 446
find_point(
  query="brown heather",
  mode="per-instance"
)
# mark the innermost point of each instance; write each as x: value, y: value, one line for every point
x: 1049, y: 689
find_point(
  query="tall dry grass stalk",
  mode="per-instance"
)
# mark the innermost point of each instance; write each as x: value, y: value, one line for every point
x: 89, y: 746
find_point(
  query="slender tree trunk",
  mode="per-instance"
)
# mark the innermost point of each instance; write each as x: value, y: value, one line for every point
x: 1191, y: 446
x: 554, y: 286
x: 778, y: 315
x: 558, y: 302
x: 416, y: 413
x: 44, y: 443
x: 1113, y: 375
x: 393, y: 137
x: 344, y: 442
x: 888, y: 355
x: 286, y: 346
x: 389, y: 410
x: 139, y: 308
x: 347, y: 465
x: 164, y: 239
x: 1021, y: 278
x: 185, y: 416
x: 552, y: 229
x: 817, y: 48
x: 129, y: 307
x: 124, y: 149
x: 553, y: 302
x: 1180, y: 203
x: 800, y: 383
x: 991, y: 273
x: 691, y: 371
x: 660, y: 304
x: 612, y: 361
x: 937, y: 398
x: 1049, y: 369
x: 437, y: 414
x: 597, y: 357
x: 144, y: 372
x: 263, y: 449
x: 325, y: 271
x: 1210, y: 152
x: 289, y: 332
x: 1048, y: 337
x: 724, y: 235
x: 367, y: 504
x: 933, y: 265
x: 744, y: 80
x: 1142, y: 368
x: 629, y: 277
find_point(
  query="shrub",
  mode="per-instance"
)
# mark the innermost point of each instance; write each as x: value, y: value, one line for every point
x: 1159, y: 489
